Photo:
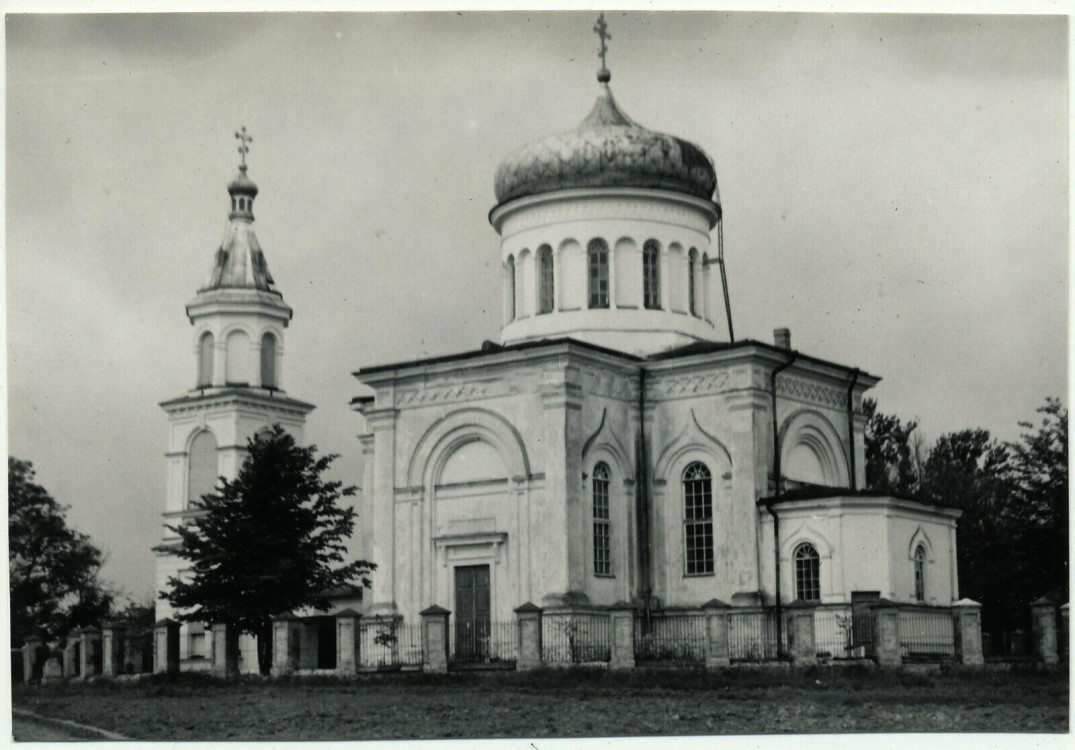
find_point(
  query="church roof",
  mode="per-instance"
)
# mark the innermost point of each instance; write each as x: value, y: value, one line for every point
x: 701, y: 347
x: 819, y: 492
x: 239, y: 262
x: 607, y: 149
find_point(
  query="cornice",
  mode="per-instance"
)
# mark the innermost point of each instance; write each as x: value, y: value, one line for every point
x: 216, y: 398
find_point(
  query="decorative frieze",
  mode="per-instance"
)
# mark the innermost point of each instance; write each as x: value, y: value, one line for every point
x: 816, y: 393
x: 695, y: 384
x: 442, y: 395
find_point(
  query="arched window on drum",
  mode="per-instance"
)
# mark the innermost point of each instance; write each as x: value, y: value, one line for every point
x: 807, y: 573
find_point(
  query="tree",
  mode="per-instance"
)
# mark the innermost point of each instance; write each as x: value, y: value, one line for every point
x: 55, y: 582
x: 891, y: 456
x: 266, y: 543
x: 1039, y: 519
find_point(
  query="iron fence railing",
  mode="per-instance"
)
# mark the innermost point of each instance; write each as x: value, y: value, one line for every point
x: 482, y: 642
x: 927, y: 632
x: 753, y: 636
x: 833, y: 633
x: 576, y: 638
x: 671, y: 636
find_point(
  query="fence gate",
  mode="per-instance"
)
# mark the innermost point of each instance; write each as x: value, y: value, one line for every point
x: 862, y: 619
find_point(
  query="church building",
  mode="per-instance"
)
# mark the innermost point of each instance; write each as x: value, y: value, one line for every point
x: 618, y: 444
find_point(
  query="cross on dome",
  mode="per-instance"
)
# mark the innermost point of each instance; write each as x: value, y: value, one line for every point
x: 244, y: 145
x: 601, y: 29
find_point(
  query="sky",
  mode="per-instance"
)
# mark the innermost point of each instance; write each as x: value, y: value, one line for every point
x: 895, y: 191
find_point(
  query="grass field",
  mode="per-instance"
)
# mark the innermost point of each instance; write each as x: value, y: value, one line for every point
x: 563, y: 703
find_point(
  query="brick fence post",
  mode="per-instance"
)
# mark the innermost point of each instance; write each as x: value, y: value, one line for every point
x: 528, y: 619
x: 1065, y: 631
x: 166, y: 646
x: 348, y: 641
x: 967, y: 624
x: 887, y: 648
x: 91, y: 652
x: 1043, y: 618
x: 623, y: 636
x: 225, y: 650
x: 34, y: 654
x: 716, y: 634
x: 801, y: 636
x: 435, y: 639
x: 71, y: 658
x: 112, y: 637
x: 286, y: 643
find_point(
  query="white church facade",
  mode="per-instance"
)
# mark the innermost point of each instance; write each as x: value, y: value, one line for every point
x: 617, y: 446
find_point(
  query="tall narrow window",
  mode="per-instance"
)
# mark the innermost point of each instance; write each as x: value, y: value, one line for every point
x: 698, y: 518
x: 602, y: 549
x: 597, y: 251
x: 920, y: 573
x: 205, y: 360
x: 651, y: 275
x: 511, y: 288
x: 545, y: 280
x: 807, y: 573
x: 237, y: 368
x: 268, y: 361
x: 692, y: 274
x: 202, y: 466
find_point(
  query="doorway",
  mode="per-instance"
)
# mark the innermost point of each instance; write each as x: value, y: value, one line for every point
x: 862, y: 620
x: 472, y: 622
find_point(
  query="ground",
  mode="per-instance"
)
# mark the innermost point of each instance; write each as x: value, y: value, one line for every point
x: 562, y: 703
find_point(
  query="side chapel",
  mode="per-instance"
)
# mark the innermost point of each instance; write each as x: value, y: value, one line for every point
x: 616, y: 445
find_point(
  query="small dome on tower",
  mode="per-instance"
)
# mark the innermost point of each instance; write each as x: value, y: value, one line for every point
x: 242, y: 185
x: 607, y: 149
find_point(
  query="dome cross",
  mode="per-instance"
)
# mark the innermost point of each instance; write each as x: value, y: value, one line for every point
x: 601, y: 29
x: 244, y: 144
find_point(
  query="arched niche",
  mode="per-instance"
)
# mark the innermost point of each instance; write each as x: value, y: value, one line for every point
x: 811, y: 450
x: 202, y: 466
x: 470, y: 459
x: 572, y: 275
x: 458, y: 428
x: 237, y: 358
x: 268, y: 360
x: 206, y: 352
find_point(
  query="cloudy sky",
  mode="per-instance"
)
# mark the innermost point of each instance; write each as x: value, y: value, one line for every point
x: 895, y: 191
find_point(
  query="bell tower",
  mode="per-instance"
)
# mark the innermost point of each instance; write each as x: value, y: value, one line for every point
x: 237, y: 386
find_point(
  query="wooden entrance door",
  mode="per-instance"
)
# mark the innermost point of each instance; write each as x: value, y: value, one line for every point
x: 472, y: 612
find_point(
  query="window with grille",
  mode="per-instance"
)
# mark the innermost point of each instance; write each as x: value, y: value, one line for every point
x: 920, y: 573
x: 598, y: 259
x: 511, y: 288
x: 698, y: 519
x: 545, y: 280
x: 651, y: 274
x: 602, y: 548
x: 692, y: 262
x: 807, y: 573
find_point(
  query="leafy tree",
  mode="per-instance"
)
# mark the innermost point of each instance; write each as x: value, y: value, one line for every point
x: 55, y: 584
x: 268, y: 542
x: 1040, y: 517
x: 891, y: 455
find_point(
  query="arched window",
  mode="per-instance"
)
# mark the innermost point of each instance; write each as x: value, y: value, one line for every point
x: 268, y: 361
x: 698, y: 519
x: 510, y: 272
x: 201, y: 467
x: 807, y: 573
x: 692, y: 275
x: 597, y: 251
x: 920, y: 573
x: 602, y: 548
x: 545, y: 280
x: 206, y: 346
x: 236, y: 368
x: 651, y: 275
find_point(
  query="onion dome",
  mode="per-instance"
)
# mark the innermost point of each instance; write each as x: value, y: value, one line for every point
x: 607, y: 149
